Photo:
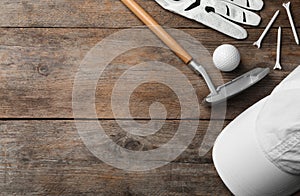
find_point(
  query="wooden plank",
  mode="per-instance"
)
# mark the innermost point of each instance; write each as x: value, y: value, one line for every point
x: 42, y: 44
x: 38, y: 67
x: 48, y: 157
x: 106, y: 14
x: 36, y: 138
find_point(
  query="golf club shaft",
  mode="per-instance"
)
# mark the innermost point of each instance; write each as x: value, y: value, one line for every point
x: 169, y: 41
x: 158, y: 30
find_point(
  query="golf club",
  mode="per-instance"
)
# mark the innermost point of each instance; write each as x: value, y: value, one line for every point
x: 217, y: 95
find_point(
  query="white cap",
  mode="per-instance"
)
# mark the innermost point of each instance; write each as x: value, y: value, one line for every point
x: 259, y: 152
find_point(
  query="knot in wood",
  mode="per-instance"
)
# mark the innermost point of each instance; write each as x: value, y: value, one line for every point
x: 43, y: 70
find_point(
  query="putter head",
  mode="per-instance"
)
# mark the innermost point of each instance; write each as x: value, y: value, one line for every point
x: 237, y: 85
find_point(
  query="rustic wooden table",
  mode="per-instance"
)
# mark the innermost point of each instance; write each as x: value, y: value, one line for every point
x: 42, y: 44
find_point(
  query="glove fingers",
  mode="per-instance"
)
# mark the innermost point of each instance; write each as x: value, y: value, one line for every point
x: 223, y: 7
x: 222, y: 25
x: 211, y: 14
x: 237, y: 14
x: 248, y: 4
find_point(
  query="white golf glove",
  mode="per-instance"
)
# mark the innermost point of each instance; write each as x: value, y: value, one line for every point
x: 218, y: 14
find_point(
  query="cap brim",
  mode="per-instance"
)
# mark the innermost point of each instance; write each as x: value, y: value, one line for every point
x: 241, y: 164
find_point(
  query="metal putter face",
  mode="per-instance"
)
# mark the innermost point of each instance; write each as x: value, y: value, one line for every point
x: 237, y: 85
x: 232, y: 88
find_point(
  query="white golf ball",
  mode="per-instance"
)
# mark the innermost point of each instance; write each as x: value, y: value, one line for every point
x: 226, y: 57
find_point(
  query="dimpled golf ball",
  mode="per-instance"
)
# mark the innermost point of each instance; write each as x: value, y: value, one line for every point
x: 226, y: 57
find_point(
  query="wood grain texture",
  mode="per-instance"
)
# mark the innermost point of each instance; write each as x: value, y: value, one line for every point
x: 48, y: 157
x: 42, y: 44
x: 39, y: 67
x: 106, y: 14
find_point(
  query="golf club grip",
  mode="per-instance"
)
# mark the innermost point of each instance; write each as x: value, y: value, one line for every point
x: 158, y: 30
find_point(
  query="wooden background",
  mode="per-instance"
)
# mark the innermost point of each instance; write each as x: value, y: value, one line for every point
x: 41, y: 46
